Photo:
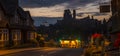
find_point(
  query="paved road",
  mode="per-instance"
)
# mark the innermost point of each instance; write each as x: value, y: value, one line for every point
x: 50, y: 52
x: 68, y: 52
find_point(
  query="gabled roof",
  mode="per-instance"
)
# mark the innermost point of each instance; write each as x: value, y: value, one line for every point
x: 9, y: 6
x: 21, y: 12
x: 28, y: 13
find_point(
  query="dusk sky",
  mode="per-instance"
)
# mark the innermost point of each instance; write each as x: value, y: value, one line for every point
x: 55, y: 8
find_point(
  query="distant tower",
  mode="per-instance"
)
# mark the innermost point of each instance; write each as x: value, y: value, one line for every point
x: 88, y: 16
x: 67, y: 14
x: 92, y: 17
x: 74, y: 14
x: 104, y: 21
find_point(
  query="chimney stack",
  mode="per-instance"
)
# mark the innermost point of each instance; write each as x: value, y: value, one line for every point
x: 74, y: 14
x: 92, y: 17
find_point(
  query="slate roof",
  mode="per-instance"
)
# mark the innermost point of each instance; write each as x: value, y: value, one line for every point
x: 32, y: 28
x: 21, y: 12
x: 9, y: 6
x: 28, y: 13
x: 3, y: 23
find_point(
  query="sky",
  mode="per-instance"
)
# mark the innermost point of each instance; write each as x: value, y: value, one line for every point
x: 55, y: 8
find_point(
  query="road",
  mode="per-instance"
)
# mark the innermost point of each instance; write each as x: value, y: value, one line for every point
x: 50, y: 52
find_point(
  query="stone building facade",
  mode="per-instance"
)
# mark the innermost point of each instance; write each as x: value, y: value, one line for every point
x: 114, y: 21
x: 16, y: 25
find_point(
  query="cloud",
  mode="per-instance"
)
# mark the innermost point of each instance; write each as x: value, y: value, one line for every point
x: 41, y: 3
x: 54, y: 11
x: 48, y: 3
x: 55, y: 8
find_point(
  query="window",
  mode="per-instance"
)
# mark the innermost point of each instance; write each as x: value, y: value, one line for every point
x: 5, y: 36
x: 0, y: 16
x: 0, y: 36
x: 19, y: 35
x: 5, y: 31
x: 16, y: 35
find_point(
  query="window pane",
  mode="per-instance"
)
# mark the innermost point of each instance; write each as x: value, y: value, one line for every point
x: 4, y: 36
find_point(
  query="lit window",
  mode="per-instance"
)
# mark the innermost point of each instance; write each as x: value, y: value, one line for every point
x: 18, y: 35
x: 4, y: 37
x: 66, y: 42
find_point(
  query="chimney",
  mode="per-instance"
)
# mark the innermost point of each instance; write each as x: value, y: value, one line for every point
x: 92, y: 17
x: 74, y: 14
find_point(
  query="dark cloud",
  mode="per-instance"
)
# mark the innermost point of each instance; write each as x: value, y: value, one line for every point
x: 41, y: 3
x: 92, y: 13
x: 48, y: 3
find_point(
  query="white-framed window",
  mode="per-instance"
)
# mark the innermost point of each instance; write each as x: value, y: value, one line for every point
x: 16, y: 34
x: 19, y: 35
x: 0, y: 36
x: 31, y: 35
x: 4, y: 35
